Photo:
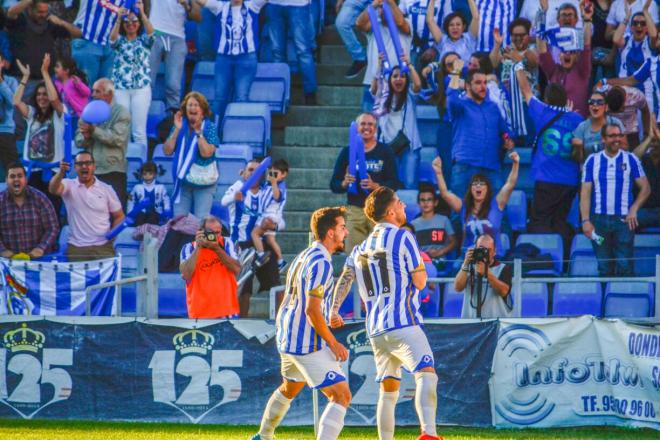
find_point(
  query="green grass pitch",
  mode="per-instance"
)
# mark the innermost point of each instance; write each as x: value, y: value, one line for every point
x: 72, y: 430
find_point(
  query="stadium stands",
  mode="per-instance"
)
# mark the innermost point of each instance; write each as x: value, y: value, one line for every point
x: 629, y: 300
x: 247, y: 123
x: 574, y: 299
x: 548, y: 244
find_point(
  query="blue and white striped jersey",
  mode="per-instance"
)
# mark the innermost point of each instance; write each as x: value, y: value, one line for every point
x: 649, y: 72
x: 96, y: 21
x: 613, y: 179
x: 310, y: 275
x: 275, y: 206
x: 244, y: 215
x: 239, y: 25
x: 415, y: 13
x: 383, y: 266
x: 494, y: 14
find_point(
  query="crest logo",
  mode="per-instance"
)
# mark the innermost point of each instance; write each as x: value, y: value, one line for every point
x: 28, y: 381
x: 194, y: 378
x: 16, y: 296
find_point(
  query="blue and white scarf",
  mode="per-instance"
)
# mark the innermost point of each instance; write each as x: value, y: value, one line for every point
x: 185, y: 155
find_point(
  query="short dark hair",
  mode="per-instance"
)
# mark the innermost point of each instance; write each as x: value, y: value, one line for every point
x: 324, y: 219
x: 603, y: 131
x: 472, y: 73
x: 485, y: 64
x: 555, y: 94
x: 615, y: 99
x: 567, y: 6
x: 281, y: 165
x: 425, y: 187
x: 520, y: 21
x: 375, y: 207
x: 84, y: 152
x: 14, y: 165
x: 150, y: 167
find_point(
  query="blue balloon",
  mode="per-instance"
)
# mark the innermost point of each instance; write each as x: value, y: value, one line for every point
x: 96, y: 112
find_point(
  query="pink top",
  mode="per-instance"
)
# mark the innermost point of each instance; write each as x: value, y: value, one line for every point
x: 635, y: 100
x: 75, y: 94
x: 88, y: 211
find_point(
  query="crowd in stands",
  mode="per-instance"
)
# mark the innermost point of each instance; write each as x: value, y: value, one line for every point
x: 576, y: 84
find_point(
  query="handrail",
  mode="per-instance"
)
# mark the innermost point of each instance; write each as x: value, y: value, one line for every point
x: 121, y: 282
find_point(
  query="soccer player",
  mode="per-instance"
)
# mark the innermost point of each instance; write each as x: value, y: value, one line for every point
x: 309, y: 352
x: 390, y: 274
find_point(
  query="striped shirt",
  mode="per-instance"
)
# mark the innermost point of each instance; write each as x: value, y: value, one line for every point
x: 415, y: 12
x: 383, y: 266
x: 239, y: 25
x: 96, y: 21
x: 494, y: 14
x: 243, y: 215
x: 649, y: 71
x: 229, y: 247
x: 632, y: 56
x: 310, y: 275
x: 613, y: 179
x: 274, y: 206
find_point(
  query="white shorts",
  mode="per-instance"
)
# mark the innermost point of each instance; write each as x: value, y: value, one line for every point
x: 407, y: 347
x: 275, y: 218
x: 319, y: 369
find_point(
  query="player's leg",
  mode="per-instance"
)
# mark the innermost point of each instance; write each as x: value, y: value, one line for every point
x: 426, y: 400
x: 332, y: 419
x: 388, y: 373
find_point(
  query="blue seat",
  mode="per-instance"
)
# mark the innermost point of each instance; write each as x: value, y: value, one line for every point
x: 574, y: 299
x: 136, y: 155
x: 647, y: 246
x: 172, y: 295
x: 583, y: 260
x: 426, y: 173
x: 430, y: 297
x: 516, y: 210
x: 272, y: 86
x: 534, y: 300
x: 129, y: 250
x: 505, y: 245
x: 629, y: 300
x: 452, y: 302
x: 232, y: 158
x: 158, y: 88
x: 247, y: 123
x: 427, y: 124
x: 409, y: 197
x: 547, y: 243
x: 164, y: 162
x: 157, y: 113
x: 427, y: 154
x: 574, y: 214
x: 64, y: 239
x: 221, y: 212
x: 203, y: 80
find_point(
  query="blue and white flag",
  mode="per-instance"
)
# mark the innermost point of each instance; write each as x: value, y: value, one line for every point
x: 565, y: 38
x: 56, y: 288
x: 494, y: 14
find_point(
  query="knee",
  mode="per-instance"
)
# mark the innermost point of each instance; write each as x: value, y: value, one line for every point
x: 342, y: 397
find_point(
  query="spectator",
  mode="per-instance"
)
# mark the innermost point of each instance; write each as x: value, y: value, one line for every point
x: 93, y: 209
x: 108, y: 141
x: 236, y: 61
x: 423, y: 45
x: 32, y: 34
x: 520, y: 50
x: 482, y: 213
x: 8, y: 87
x: 44, y: 136
x: 635, y: 47
x: 363, y: 23
x: 130, y: 73
x: 71, y: 84
x: 292, y: 17
x: 193, y: 141
x: 28, y: 223
x: 478, y: 131
x: 434, y: 232
x: 160, y: 206
x: 586, y: 137
x: 648, y: 153
x: 615, y: 214
x: 397, y: 123
x: 5, y: 46
x: 92, y: 51
x: 619, y: 13
x: 210, y: 266
x: 456, y: 37
x: 624, y: 102
x: 495, y: 300
x: 347, y: 13
x: 603, y: 56
x: 548, y: 14
x: 573, y: 71
x: 381, y: 171
x: 169, y: 22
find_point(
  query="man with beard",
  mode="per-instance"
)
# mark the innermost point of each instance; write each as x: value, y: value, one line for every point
x: 390, y: 274
x: 608, y: 179
x: 28, y: 223
x: 309, y: 352
x: 92, y: 207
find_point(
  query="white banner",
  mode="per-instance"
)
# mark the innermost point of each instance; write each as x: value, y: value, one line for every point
x: 571, y: 372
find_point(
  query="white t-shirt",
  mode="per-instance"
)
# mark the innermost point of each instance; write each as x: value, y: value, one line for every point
x: 169, y: 17
x: 372, y: 52
x: 618, y: 11
x: 58, y: 133
x: 531, y: 7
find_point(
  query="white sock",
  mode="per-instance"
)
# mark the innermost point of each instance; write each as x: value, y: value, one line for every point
x: 276, y: 409
x: 426, y: 401
x: 385, y: 414
x: 332, y: 421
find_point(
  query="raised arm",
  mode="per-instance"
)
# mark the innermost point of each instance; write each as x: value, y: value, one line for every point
x: 114, y: 34
x: 435, y: 30
x: 650, y: 23
x: 53, y: 96
x: 20, y: 90
x: 495, y: 54
x: 170, y: 143
x: 399, y: 19
x: 618, y: 38
x: 474, y: 24
x: 363, y: 23
x: 416, y: 82
x: 148, y: 27
x: 18, y: 8
x: 454, y: 202
x: 55, y: 185
x: 505, y: 193
x: 523, y: 82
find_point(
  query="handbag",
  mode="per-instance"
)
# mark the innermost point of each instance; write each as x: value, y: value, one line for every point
x: 400, y: 143
x: 203, y: 175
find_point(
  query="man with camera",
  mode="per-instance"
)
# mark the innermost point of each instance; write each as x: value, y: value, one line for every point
x: 210, y: 266
x: 486, y: 282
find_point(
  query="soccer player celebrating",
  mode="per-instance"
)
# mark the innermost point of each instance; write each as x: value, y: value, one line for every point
x: 309, y: 352
x: 390, y: 274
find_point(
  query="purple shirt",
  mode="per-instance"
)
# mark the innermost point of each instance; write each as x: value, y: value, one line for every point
x: 575, y: 81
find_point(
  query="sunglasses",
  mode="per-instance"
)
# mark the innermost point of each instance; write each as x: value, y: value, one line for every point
x: 596, y: 102
x: 638, y: 23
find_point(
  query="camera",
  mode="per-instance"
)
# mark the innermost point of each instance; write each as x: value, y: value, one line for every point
x: 210, y: 235
x: 479, y: 254
x: 274, y: 174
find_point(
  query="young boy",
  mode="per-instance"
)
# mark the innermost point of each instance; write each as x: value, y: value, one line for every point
x: 160, y: 208
x: 272, y: 220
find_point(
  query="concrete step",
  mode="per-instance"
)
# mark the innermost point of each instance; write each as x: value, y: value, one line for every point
x: 331, y: 74
x: 292, y: 242
x: 309, y: 178
x: 297, y: 221
x: 259, y: 305
x: 316, y: 136
x: 335, y: 54
x: 331, y: 95
x: 304, y: 157
x: 317, y: 116
x: 308, y: 200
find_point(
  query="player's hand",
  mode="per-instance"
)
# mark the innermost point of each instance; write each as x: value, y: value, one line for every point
x: 336, y: 320
x: 339, y: 351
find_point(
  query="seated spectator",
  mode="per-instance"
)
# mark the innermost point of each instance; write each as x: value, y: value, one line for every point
x: 93, y: 209
x: 381, y: 170
x: 456, y: 37
x: 236, y: 61
x: 635, y: 43
x: 160, y: 207
x: 621, y: 10
x: 28, y: 224
x: 495, y: 300
x: 8, y: 87
x: 210, y: 266
x: 130, y: 72
x: 272, y: 219
x: 193, y: 141
x: 434, y: 232
x: 71, y: 84
x: 108, y: 141
x: 648, y: 152
x: 624, y: 103
x: 573, y: 70
x: 44, y: 135
x: 614, y: 216
x: 395, y: 95
x: 586, y: 137
x: 482, y: 213
x: 479, y: 131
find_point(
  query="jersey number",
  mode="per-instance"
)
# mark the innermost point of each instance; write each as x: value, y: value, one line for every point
x: 369, y: 265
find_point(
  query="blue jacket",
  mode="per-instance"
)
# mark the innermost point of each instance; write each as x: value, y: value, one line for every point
x: 7, y: 89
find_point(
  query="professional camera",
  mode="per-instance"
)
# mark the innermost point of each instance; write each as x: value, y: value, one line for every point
x: 210, y: 235
x: 479, y: 254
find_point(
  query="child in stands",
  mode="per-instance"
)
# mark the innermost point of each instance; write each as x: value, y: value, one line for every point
x: 70, y: 84
x: 272, y: 220
x: 159, y: 207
